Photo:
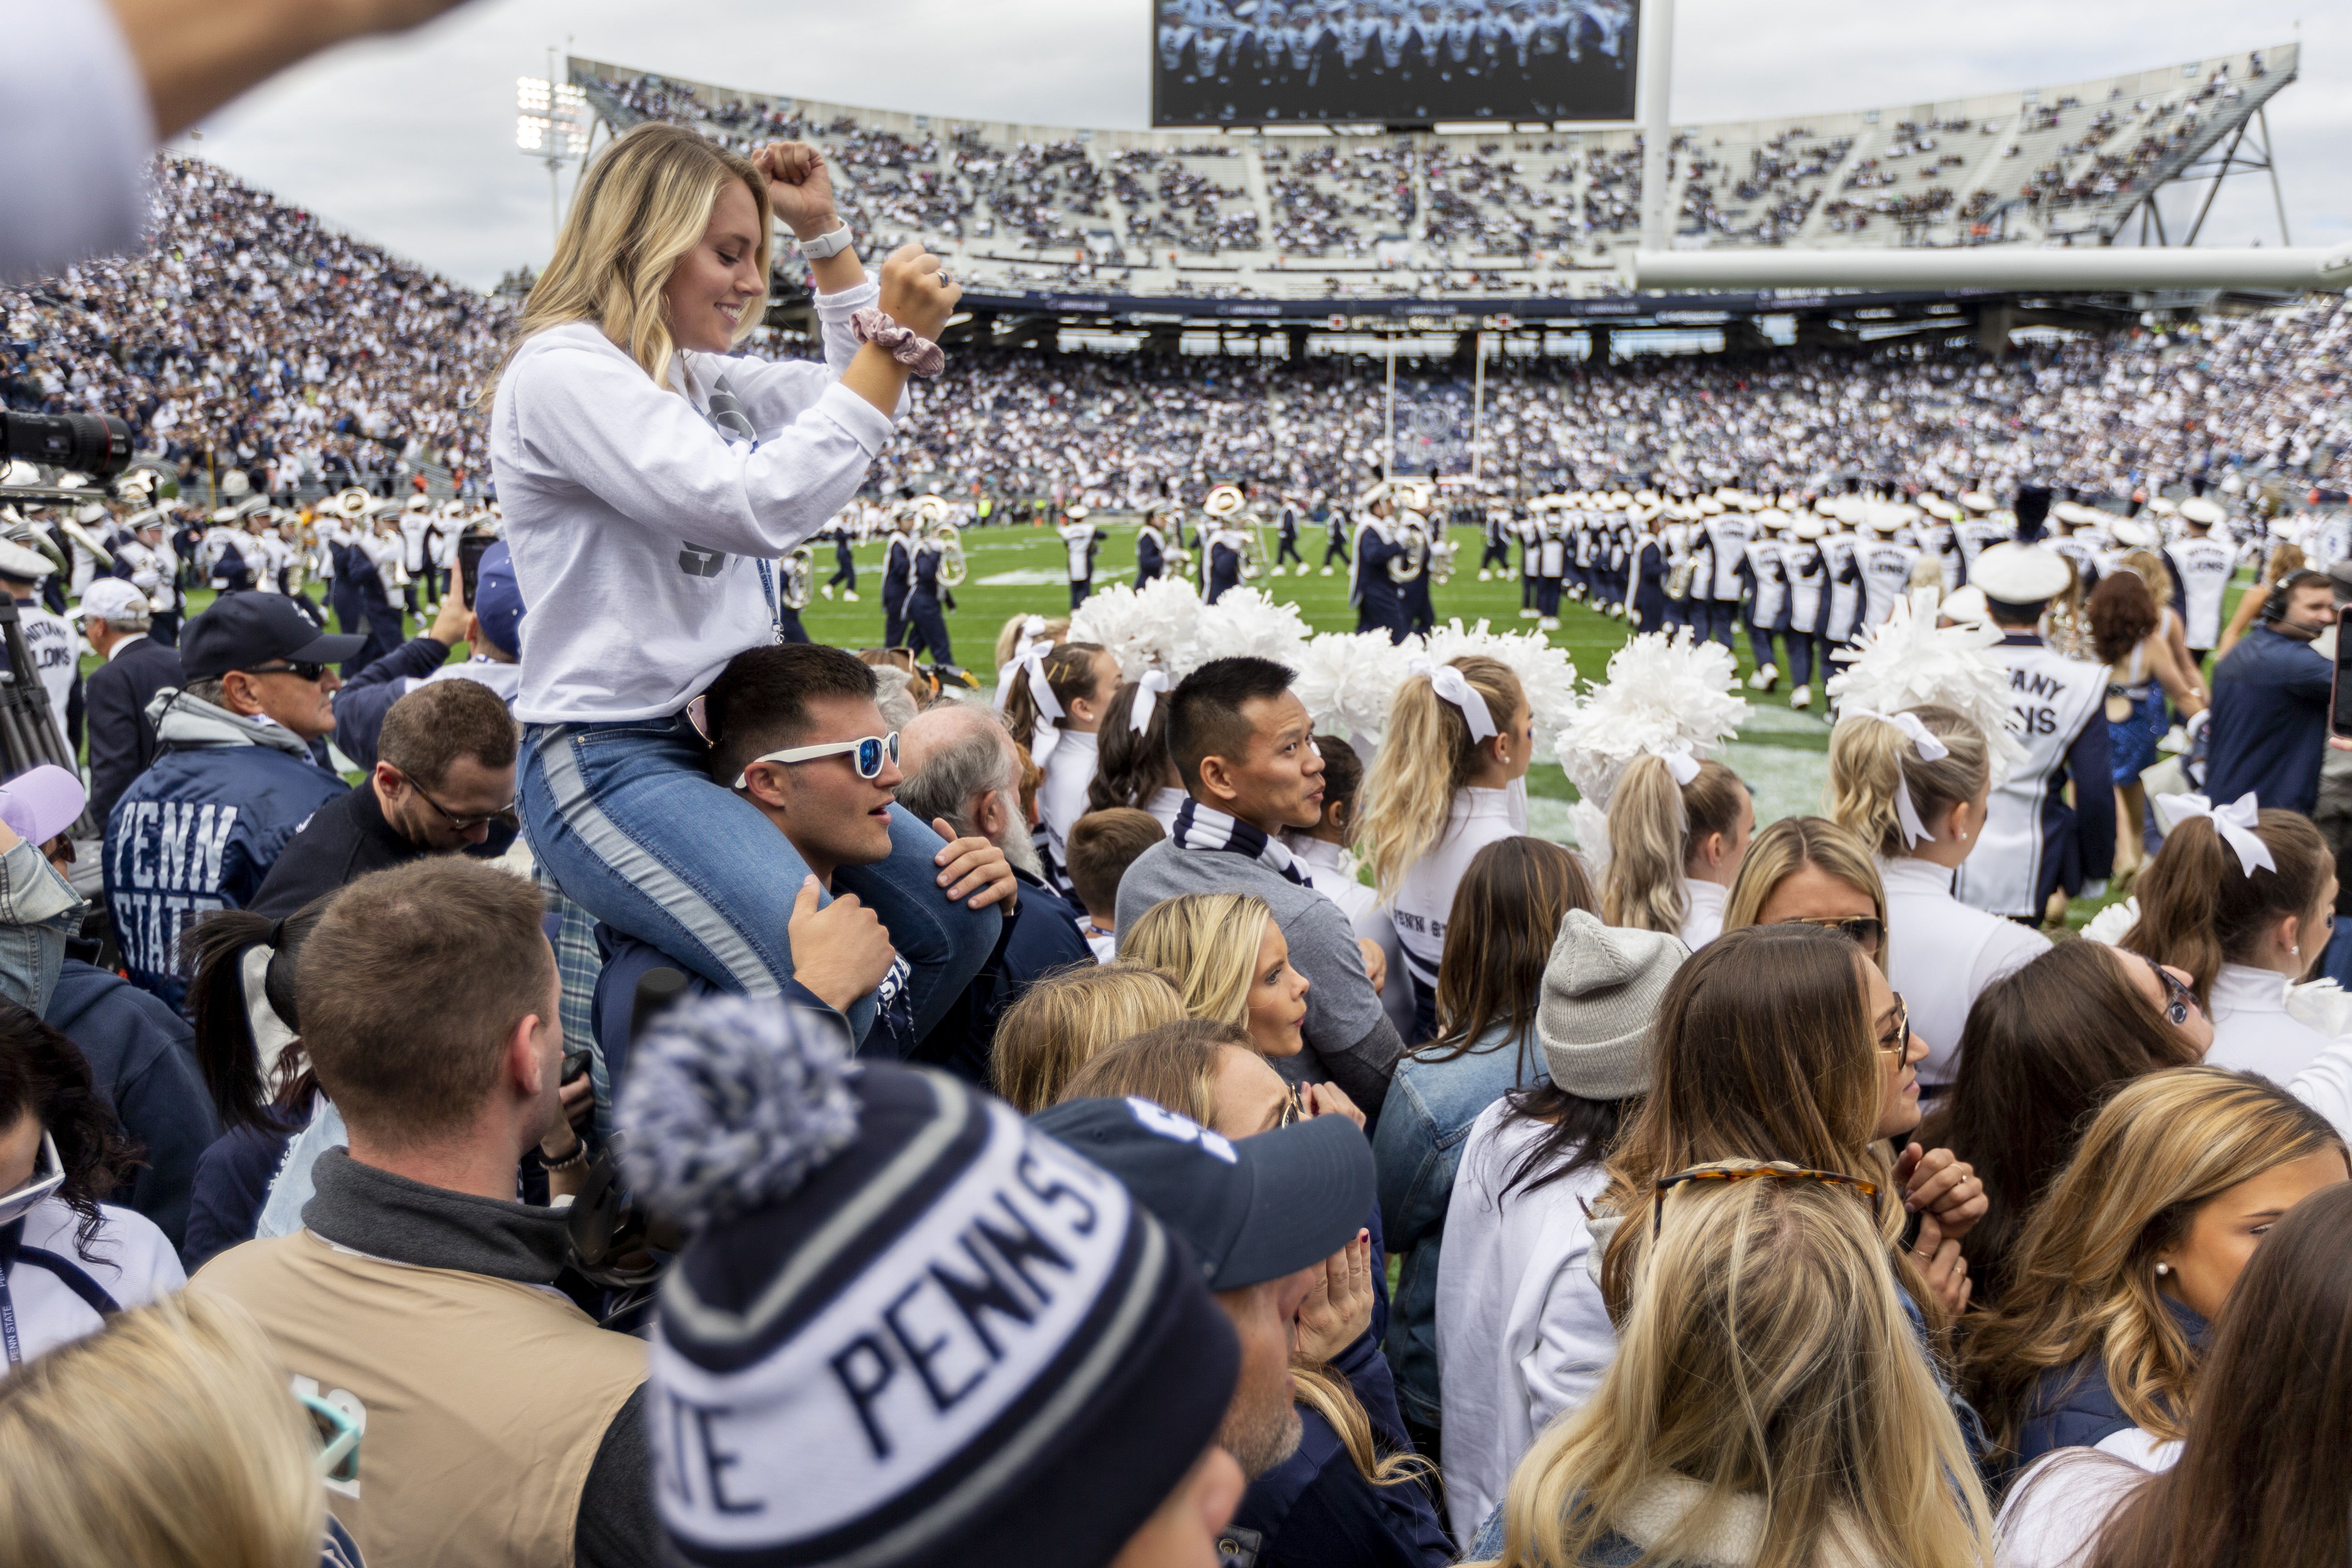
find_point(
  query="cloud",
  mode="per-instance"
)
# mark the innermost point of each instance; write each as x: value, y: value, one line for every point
x: 409, y: 141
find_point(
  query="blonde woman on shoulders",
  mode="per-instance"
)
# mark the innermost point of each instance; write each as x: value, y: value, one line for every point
x: 1768, y: 1407
x: 1459, y: 735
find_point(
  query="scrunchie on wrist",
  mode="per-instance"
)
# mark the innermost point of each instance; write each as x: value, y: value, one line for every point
x: 919, y: 354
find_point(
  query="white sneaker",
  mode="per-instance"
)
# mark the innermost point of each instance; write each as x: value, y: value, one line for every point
x: 1801, y: 698
x: 1274, y: 571
x: 1550, y: 623
x: 1485, y: 576
x: 1766, y: 678
x: 850, y: 595
x: 826, y: 590
x: 1526, y: 615
x: 1327, y: 571
x: 1616, y: 612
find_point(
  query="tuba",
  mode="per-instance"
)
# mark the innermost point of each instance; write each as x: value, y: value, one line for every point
x: 799, y: 573
x: 949, y: 541
x: 1412, y: 533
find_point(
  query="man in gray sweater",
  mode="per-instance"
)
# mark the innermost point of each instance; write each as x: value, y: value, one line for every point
x: 1245, y: 747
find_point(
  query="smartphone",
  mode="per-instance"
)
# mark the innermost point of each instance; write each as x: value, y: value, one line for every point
x: 471, y: 550
x: 2339, y: 700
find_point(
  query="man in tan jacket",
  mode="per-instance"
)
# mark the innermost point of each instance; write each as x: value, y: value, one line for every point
x: 501, y: 1425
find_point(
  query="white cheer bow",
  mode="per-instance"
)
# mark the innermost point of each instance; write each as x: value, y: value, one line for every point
x: 1147, y: 688
x: 1048, y: 735
x: 1454, y: 687
x: 1929, y: 750
x: 1033, y: 632
x: 1682, y: 764
x: 2235, y: 822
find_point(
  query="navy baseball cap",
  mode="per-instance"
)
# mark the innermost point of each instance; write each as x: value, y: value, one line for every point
x: 497, y: 602
x: 1251, y: 1209
x: 247, y: 629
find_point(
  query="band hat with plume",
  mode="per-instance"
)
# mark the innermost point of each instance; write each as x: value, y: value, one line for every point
x: 908, y: 1331
x: 1908, y: 661
x: 2012, y: 573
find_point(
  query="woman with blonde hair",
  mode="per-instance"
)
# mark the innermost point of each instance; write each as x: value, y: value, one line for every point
x: 1768, y: 1407
x: 2132, y: 1256
x: 1065, y: 1021
x: 1055, y: 701
x: 649, y: 477
x: 1677, y: 833
x: 1807, y: 870
x: 1229, y: 959
x: 1459, y: 735
x: 170, y: 1439
x: 1913, y: 785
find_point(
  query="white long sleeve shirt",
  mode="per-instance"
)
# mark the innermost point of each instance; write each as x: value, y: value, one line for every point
x: 2253, y: 1031
x: 1062, y: 794
x: 1522, y: 1336
x: 1424, y: 897
x: 1705, y: 921
x: 1941, y: 954
x: 637, y: 529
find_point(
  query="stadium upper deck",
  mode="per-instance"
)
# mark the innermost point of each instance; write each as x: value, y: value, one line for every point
x: 1494, y: 212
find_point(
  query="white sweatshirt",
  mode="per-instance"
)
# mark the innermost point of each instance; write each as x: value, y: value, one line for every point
x: 637, y: 529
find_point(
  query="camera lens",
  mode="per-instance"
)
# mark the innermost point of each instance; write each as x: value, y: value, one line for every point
x: 98, y: 445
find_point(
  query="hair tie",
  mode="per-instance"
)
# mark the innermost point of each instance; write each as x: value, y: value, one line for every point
x: 1927, y: 748
x: 2235, y: 822
x: 1148, y: 688
x: 274, y: 937
x: 1454, y: 687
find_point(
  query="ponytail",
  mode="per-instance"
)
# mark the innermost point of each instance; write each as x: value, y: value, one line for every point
x: 2198, y: 907
x: 1649, y: 834
x: 1069, y: 675
x: 1426, y: 754
x: 227, y: 1054
x: 1871, y: 762
x: 1134, y: 765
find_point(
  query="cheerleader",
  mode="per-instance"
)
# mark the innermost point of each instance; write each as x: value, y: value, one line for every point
x: 1913, y: 785
x: 1459, y: 735
x: 1678, y: 831
x: 1132, y: 766
x: 1055, y: 704
x: 650, y: 478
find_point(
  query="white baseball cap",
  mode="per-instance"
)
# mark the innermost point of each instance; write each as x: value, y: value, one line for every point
x: 110, y: 599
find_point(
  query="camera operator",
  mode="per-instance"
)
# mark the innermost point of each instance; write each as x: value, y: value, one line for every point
x: 503, y: 1424
x: 88, y: 88
x: 2270, y: 702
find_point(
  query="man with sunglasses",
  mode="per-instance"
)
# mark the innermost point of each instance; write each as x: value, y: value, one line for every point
x: 443, y: 784
x: 243, y: 767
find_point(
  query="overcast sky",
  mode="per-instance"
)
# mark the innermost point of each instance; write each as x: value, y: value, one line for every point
x: 410, y: 142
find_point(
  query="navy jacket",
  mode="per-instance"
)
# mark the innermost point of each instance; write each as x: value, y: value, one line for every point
x: 2075, y: 1407
x: 1149, y: 559
x: 1041, y: 937
x: 2270, y: 722
x: 366, y: 697
x: 231, y: 1184
x: 122, y: 743
x: 200, y: 831
x: 143, y: 1058
x: 1649, y: 585
x: 1316, y: 1509
x: 627, y: 961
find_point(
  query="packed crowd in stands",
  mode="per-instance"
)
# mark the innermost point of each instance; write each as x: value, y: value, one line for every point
x: 704, y: 1096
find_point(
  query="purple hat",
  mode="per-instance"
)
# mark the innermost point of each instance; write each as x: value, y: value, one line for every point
x: 41, y: 802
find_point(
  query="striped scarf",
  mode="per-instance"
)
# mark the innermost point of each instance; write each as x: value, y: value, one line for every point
x: 1199, y: 826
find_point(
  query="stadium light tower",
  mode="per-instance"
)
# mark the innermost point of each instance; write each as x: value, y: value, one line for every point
x: 551, y: 125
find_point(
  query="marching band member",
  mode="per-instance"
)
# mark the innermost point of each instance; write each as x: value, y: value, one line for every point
x: 1551, y: 564
x: 1422, y: 524
x: 898, y: 575
x: 1150, y: 548
x: 416, y: 530
x: 1982, y: 527
x: 1886, y: 562
x: 1056, y: 699
x: 1287, y: 537
x: 2034, y: 843
x: 845, y: 562
x: 1225, y: 546
x: 1458, y: 735
x: 1081, y: 538
x: 1528, y: 531
x: 1726, y: 537
x: 1767, y: 608
x: 2201, y: 568
x: 927, y: 622
x: 1805, y: 568
x: 1494, y: 549
x: 1380, y: 604
x: 1335, y: 539
x: 1645, y: 575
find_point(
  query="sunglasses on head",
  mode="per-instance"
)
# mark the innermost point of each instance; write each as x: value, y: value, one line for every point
x: 867, y: 754
x: 1865, y: 931
x: 1777, y: 1173
x: 2179, y: 999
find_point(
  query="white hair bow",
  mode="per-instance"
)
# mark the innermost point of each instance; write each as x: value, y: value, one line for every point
x: 1048, y: 735
x: 2235, y: 822
x: 1033, y: 632
x: 1682, y: 764
x: 1452, y: 685
x: 1929, y: 750
x: 1147, y: 688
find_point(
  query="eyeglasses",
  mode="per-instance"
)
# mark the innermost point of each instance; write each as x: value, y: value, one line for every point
x: 300, y: 670
x: 1865, y: 931
x: 2178, y: 1000
x: 463, y: 824
x: 17, y: 1204
x: 1780, y: 1173
x: 1901, y: 1030
x: 1292, y: 1109
x: 869, y: 753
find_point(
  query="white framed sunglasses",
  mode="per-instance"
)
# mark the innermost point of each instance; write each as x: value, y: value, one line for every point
x: 867, y: 754
x: 49, y: 1175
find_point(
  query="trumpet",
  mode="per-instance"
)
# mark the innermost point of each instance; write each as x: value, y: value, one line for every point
x: 800, y: 568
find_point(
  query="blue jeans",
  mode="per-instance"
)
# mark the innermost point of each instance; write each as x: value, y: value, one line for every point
x: 628, y: 821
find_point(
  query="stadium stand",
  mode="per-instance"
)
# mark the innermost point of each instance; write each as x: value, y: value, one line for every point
x: 1533, y: 210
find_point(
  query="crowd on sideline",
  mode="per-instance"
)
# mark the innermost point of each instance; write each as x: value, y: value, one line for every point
x: 704, y: 1096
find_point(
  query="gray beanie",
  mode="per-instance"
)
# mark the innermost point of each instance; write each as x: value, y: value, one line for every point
x: 1601, y: 988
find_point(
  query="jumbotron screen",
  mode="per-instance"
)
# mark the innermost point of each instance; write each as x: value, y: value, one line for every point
x: 1265, y: 62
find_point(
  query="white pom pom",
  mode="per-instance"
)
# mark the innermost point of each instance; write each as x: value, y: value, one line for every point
x: 1666, y: 692
x: 1151, y: 628
x: 1590, y: 823
x: 1348, y: 679
x: 2321, y: 1004
x: 2109, y: 924
x: 1244, y: 622
x: 1906, y: 661
x: 1545, y: 671
x: 732, y: 1101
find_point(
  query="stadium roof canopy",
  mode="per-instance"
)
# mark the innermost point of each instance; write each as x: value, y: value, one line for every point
x: 1320, y: 227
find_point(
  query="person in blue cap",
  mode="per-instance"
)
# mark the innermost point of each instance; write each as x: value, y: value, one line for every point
x: 490, y: 628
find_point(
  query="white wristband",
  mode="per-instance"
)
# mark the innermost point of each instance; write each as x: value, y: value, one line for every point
x: 824, y: 245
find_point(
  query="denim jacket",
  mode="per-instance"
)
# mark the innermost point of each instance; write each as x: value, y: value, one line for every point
x: 38, y: 912
x: 1416, y: 1146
